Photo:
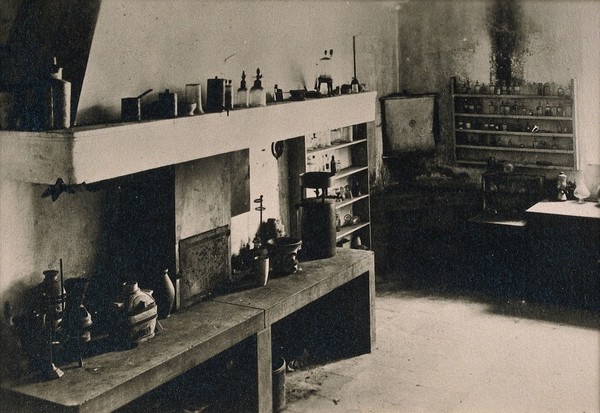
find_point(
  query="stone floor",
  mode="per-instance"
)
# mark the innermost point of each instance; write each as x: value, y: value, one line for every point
x: 452, y: 353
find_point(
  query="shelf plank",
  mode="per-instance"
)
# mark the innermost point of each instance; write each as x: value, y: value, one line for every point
x: 492, y: 96
x: 530, y: 117
x: 513, y: 133
x: 349, y: 230
x: 100, y: 152
x: 335, y: 146
x: 516, y: 149
x: 346, y: 202
x: 351, y: 170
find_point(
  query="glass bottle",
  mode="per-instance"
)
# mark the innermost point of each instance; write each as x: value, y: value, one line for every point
x: 164, y: 294
x: 581, y: 191
x: 559, y: 110
x: 242, y: 97
x: 538, y: 109
x: 228, y: 95
x: 258, y: 96
x: 568, y: 111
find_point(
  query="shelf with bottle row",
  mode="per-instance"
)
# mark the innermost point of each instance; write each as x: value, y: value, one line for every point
x: 514, y: 148
x: 515, y: 133
x: 531, y: 130
x: 516, y: 165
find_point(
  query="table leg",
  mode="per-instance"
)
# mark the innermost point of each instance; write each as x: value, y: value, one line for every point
x: 264, y: 371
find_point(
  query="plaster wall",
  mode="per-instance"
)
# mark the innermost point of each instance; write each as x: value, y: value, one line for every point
x: 440, y: 39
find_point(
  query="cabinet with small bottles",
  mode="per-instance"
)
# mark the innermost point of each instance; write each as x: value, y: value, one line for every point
x: 343, y: 152
x: 530, y: 125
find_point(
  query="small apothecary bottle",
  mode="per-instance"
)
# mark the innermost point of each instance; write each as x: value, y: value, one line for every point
x: 242, y: 97
x: 258, y: 95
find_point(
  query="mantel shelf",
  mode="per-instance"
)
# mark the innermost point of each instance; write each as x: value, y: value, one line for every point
x: 96, y: 153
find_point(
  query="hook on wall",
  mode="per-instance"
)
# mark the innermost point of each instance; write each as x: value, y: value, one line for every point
x: 277, y: 149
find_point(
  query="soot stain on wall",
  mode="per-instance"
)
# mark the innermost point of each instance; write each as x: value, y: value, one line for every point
x: 505, y: 24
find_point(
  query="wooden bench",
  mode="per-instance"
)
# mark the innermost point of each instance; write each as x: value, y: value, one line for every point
x: 193, y: 336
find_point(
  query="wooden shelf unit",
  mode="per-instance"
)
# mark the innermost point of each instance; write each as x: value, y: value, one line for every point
x: 349, y: 146
x: 528, y: 130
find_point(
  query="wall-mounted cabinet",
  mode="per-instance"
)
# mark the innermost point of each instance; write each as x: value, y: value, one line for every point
x: 527, y: 127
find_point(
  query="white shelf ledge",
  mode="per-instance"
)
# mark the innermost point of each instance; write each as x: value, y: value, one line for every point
x: 96, y: 153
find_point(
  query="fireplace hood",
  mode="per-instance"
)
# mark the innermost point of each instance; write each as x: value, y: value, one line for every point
x: 90, y: 154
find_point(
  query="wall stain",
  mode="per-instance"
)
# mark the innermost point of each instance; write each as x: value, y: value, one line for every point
x: 505, y: 25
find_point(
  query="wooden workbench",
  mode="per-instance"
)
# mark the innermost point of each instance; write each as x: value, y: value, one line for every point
x: 193, y: 336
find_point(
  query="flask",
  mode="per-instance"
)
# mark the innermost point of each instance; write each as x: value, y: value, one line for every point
x: 581, y: 191
x: 59, y: 99
x: 164, y: 294
x: 241, y: 99
x: 258, y: 96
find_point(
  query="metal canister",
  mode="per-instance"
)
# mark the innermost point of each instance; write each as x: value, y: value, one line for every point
x: 318, y: 217
x: 167, y: 104
x: 318, y: 228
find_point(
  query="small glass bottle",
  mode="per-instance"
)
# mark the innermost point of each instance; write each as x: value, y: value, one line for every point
x: 228, y: 95
x: 568, y: 110
x: 242, y: 97
x: 258, y: 96
x: 559, y: 110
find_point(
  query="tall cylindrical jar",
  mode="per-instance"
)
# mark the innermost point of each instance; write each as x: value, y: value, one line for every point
x: 59, y: 114
x: 164, y: 294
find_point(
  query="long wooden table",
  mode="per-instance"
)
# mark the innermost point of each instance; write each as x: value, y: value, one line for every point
x: 193, y: 336
x: 565, y: 253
